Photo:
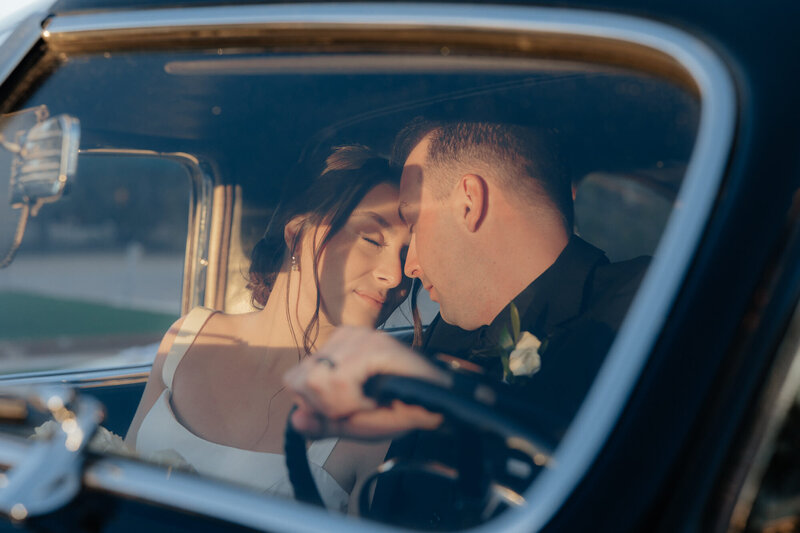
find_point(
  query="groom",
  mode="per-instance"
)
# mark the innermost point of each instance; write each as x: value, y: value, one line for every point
x: 491, y: 217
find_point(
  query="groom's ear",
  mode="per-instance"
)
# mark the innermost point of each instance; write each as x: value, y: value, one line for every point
x: 472, y: 201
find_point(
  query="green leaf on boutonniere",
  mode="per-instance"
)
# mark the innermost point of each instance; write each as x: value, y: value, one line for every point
x: 514, y: 323
x: 506, y: 369
x: 506, y: 340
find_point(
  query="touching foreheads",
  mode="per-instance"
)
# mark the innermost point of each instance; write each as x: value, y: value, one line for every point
x: 521, y: 161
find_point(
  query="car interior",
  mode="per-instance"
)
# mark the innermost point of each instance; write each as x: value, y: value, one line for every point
x: 184, y: 155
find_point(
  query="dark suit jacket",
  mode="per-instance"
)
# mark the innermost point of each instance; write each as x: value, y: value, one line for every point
x: 577, y: 306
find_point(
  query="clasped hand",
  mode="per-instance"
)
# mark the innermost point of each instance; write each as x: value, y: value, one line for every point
x: 328, y: 387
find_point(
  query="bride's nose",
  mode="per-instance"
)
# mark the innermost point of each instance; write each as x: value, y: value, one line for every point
x: 389, y: 270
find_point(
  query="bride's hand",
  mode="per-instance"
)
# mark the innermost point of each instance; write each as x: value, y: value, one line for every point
x: 328, y: 387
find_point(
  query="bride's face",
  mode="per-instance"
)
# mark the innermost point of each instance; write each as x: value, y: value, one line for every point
x: 361, y: 268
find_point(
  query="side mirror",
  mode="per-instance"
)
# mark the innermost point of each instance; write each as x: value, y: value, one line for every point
x: 44, y: 162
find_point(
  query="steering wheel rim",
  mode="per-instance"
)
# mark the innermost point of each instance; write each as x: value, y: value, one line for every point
x: 476, y: 410
x: 294, y: 448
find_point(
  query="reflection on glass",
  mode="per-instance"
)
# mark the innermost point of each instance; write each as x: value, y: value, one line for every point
x: 97, y: 279
x: 106, y: 264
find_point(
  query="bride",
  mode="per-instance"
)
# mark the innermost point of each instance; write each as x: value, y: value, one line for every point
x: 331, y: 256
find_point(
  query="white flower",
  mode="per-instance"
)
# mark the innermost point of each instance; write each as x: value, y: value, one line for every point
x: 104, y: 441
x: 44, y: 431
x: 524, y: 360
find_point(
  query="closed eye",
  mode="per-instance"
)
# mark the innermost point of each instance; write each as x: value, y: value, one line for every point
x: 372, y: 242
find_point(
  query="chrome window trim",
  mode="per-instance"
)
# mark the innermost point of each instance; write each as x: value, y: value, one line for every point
x: 21, y: 41
x: 198, y: 241
x: 683, y: 231
x: 198, y: 227
x: 81, y: 378
x: 206, y: 497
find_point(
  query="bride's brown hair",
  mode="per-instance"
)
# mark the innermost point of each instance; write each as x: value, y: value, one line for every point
x: 328, y: 197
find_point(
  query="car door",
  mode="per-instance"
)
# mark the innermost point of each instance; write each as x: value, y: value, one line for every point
x: 191, y: 118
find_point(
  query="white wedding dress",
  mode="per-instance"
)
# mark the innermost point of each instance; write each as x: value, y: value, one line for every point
x: 161, y: 433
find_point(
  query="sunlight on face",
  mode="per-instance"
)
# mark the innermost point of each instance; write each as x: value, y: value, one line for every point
x: 361, y: 269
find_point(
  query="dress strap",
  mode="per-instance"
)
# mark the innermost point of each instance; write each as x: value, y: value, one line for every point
x: 319, y: 450
x: 191, y: 326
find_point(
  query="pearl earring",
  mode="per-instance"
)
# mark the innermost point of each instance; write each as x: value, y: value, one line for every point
x: 295, y: 267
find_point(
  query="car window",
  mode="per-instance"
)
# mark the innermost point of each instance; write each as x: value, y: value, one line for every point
x: 98, y: 277
x: 135, y: 242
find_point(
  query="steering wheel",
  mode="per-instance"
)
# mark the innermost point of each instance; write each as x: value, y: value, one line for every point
x: 468, y: 404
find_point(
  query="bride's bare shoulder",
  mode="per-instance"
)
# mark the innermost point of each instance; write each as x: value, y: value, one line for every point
x: 224, y: 329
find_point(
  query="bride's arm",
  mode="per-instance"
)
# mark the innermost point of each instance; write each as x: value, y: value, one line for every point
x: 155, y: 384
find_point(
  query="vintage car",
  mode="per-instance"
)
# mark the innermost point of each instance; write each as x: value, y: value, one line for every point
x: 145, y: 143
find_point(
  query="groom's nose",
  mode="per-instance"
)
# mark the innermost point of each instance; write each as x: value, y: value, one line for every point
x: 412, y: 268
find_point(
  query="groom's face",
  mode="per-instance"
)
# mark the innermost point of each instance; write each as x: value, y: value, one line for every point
x: 434, y: 253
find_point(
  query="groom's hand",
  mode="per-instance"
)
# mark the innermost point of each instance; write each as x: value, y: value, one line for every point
x: 328, y: 387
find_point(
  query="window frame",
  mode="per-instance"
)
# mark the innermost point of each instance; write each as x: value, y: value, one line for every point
x: 196, y: 281
x: 196, y: 260
x: 632, y: 40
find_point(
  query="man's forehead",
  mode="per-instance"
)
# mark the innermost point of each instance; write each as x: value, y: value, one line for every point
x: 411, y: 180
x: 410, y: 183
x: 413, y: 174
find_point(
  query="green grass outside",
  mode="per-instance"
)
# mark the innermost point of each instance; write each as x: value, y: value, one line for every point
x: 30, y: 316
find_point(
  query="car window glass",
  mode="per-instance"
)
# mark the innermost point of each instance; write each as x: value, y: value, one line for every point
x: 624, y: 138
x: 98, y: 277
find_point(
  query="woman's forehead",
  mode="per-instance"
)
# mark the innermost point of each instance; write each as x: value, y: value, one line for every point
x: 380, y: 205
x: 381, y: 198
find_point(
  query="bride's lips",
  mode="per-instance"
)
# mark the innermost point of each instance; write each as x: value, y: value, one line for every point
x: 374, y: 300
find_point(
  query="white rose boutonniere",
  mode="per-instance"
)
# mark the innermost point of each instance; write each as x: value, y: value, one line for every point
x: 524, y: 359
x: 519, y: 352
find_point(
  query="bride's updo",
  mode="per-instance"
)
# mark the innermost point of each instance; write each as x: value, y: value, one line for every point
x: 326, y: 195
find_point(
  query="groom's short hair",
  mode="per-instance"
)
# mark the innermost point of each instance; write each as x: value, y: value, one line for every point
x: 522, y: 160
